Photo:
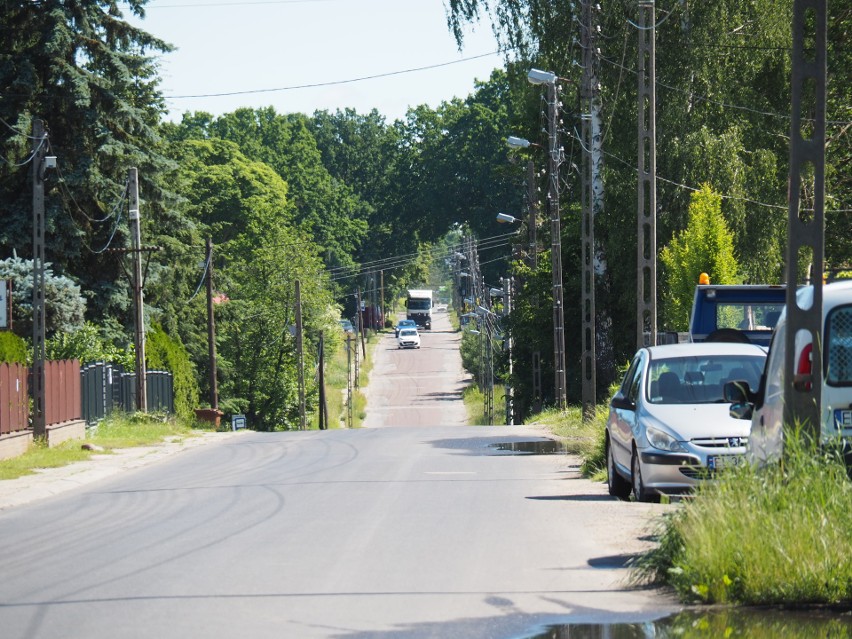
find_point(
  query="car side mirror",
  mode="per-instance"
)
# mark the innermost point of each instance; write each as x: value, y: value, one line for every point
x: 620, y: 402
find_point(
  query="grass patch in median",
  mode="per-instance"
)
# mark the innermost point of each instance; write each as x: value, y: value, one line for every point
x: 123, y: 431
x: 776, y: 535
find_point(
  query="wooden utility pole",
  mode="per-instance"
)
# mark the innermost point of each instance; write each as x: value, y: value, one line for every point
x: 646, y: 234
x: 139, y: 306
x: 300, y: 358
x: 211, y: 329
x: 39, y: 144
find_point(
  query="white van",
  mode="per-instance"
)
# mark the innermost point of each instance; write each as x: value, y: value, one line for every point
x: 766, y: 406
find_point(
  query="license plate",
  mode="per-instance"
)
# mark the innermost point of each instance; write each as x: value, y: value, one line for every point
x: 843, y: 418
x: 718, y: 462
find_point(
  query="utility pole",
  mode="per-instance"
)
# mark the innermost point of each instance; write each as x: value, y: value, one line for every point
x: 382, y: 298
x: 806, y: 231
x: 507, y: 390
x: 211, y: 329
x: 646, y: 235
x: 300, y: 356
x: 323, y: 403
x: 532, y: 213
x: 349, y: 385
x: 139, y: 306
x: 39, y: 148
x: 591, y: 140
x: 554, y: 161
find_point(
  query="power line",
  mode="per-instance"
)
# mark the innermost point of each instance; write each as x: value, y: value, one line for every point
x: 333, y: 82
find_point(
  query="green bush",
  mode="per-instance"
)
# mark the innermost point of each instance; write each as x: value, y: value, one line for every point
x: 89, y: 343
x: 163, y: 352
x: 13, y: 349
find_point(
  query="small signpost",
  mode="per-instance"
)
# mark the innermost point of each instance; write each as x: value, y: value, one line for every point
x: 238, y: 422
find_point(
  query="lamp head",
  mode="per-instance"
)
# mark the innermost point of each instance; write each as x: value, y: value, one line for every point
x: 505, y: 218
x: 517, y: 143
x: 541, y: 77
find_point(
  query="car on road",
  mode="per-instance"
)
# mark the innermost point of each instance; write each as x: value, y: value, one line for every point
x: 408, y: 338
x: 669, y: 427
x: 404, y: 323
x: 764, y: 406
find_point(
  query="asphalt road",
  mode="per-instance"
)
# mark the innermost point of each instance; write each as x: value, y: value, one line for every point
x: 405, y: 529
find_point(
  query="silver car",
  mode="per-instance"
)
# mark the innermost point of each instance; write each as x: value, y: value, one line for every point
x: 668, y: 427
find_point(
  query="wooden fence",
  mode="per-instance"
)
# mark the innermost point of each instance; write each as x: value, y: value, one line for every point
x: 14, y: 398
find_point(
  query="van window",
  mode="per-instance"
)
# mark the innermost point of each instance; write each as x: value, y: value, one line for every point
x: 838, y: 337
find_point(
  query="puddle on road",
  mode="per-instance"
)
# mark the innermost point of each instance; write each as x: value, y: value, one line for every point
x: 542, y: 447
x: 761, y: 623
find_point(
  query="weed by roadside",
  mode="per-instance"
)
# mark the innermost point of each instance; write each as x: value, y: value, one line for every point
x: 579, y: 436
x: 774, y: 535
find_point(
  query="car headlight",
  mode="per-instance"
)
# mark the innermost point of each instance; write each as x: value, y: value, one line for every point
x: 663, y: 441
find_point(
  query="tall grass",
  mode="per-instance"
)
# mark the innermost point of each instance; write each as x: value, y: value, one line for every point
x: 775, y: 535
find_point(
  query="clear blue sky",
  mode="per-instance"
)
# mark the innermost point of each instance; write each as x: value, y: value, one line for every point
x: 227, y: 46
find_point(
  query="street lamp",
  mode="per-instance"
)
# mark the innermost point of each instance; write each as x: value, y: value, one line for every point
x: 505, y: 218
x: 518, y: 143
x: 541, y: 77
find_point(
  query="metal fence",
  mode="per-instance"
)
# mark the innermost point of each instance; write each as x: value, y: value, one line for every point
x: 107, y: 387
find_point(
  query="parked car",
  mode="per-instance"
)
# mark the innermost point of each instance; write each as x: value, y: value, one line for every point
x: 668, y: 427
x: 408, y: 338
x: 347, y: 326
x: 404, y: 323
x: 764, y: 406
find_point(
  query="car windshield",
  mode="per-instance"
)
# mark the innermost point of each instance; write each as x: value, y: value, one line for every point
x: 408, y: 333
x: 699, y: 380
x: 406, y: 323
x: 419, y: 304
x: 748, y: 317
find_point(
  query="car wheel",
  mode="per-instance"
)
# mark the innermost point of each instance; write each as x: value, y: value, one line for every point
x: 640, y: 493
x: 617, y: 485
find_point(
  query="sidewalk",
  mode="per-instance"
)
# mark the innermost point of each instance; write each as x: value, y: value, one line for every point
x: 54, y: 481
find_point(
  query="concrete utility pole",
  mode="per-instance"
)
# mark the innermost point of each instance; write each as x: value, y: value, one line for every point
x: 300, y: 356
x: 532, y: 204
x: 139, y: 306
x: 39, y: 149
x: 508, y: 390
x: 591, y: 142
x: 532, y: 213
x: 806, y: 231
x: 211, y: 329
x: 646, y: 235
x: 554, y: 162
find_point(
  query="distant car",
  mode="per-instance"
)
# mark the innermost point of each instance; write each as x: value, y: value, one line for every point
x: 408, y: 338
x: 764, y: 406
x: 668, y: 427
x: 347, y: 326
x: 404, y: 323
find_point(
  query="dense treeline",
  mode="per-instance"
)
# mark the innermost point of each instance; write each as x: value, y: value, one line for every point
x: 320, y: 197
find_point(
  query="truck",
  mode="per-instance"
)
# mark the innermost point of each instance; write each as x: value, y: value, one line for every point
x: 418, y: 307
x: 744, y: 313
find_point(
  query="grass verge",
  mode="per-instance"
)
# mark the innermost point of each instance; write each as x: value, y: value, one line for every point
x: 580, y: 437
x: 123, y: 431
x: 777, y: 535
